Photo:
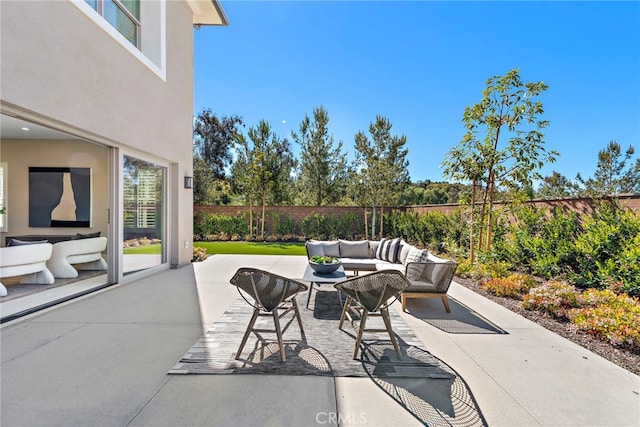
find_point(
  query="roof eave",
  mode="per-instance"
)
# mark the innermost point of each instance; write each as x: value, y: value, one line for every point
x: 207, y: 12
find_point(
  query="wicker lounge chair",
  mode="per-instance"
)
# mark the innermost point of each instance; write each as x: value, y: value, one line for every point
x: 270, y: 294
x: 371, y: 295
x: 429, y: 279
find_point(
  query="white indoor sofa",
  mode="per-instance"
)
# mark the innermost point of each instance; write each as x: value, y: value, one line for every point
x: 87, y: 252
x: 28, y: 261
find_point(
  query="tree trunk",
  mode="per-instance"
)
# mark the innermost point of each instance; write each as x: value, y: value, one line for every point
x: 373, y: 222
x: 483, y: 213
x: 250, y: 217
x: 366, y: 223
x: 472, y: 231
x: 262, y: 219
x: 490, y: 213
x: 381, y: 222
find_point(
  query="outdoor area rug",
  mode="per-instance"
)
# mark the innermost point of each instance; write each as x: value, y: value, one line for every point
x: 326, y: 350
x: 423, y: 384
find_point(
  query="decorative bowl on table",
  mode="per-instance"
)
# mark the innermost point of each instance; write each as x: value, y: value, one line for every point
x: 324, y: 264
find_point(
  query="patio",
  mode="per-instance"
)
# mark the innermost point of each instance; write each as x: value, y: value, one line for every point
x: 103, y: 360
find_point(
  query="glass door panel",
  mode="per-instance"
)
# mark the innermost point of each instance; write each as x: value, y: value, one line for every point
x: 144, y: 242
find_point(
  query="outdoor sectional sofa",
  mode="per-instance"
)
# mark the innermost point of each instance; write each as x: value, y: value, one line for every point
x: 430, y: 276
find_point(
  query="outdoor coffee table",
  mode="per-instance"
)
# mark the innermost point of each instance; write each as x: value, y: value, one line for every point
x: 316, y: 279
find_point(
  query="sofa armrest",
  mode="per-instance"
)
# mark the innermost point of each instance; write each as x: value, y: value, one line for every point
x: 437, y: 274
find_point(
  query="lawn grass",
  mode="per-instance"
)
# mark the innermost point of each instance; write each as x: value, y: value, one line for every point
x: 145, y: 250
x: 253, y: 248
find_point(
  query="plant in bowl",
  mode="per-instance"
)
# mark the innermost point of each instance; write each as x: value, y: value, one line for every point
x: 324, y: 264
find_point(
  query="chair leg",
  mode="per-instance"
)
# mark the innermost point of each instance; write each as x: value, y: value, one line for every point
x: 363, y: 322
x: 445, y: 301
x: 276, y: 321
x: 404, y: 302
x: 256, y: 311
x: 384, y: 312
x: 343, y: 315
x: 296, y: 312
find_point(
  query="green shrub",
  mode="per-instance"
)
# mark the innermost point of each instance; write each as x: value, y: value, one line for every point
x: 606, y: 239
x: 283, y: 224
x: 482, y: 270
x: 552, y: 297
x: 511, y: 286
x: 199, y: 254
x: 206, y: 224
x: 614, y: 318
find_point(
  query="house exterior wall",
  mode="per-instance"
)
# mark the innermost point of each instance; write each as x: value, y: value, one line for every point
x: 60, y: 69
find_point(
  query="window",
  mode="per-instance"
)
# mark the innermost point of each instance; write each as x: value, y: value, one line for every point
x: 123, y: 20
x: 123, y: 15
x: 144, y: 209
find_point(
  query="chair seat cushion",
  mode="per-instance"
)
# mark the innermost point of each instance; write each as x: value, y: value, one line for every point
x: 389, y: 266
x: 421, y: 287
x: 359, y: 263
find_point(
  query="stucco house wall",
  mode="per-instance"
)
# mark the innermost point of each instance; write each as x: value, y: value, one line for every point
x: 60, y: 69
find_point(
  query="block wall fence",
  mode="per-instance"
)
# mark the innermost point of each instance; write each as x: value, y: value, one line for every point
x: 580, y: 205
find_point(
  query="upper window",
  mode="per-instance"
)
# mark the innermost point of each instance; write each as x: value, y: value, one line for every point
x: 123, y: 15
x: 123, y: 20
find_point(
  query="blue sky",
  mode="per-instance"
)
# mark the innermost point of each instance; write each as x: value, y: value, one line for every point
x: 420, y: 64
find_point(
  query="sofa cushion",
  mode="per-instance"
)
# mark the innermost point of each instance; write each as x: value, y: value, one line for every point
x: 416, y: 255
x: 16, y: 242
x: 373, y: 248
x: 388, y: 249
x: 404, y: 251
x: 389, y: 266
x: 359, y: 263
x: 331, y: 248
x: 314, y: 248
x: 87, y: 235
x: 358, y: 249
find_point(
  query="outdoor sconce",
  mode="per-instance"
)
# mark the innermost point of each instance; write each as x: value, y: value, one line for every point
x: 188, y: 182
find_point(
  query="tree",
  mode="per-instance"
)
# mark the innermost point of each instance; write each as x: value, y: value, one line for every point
x: 381, y: 166
x: 207, y: 189
x: 213, y: 139
x: 263, y: 168
x: 323, y: 169
x: 511, y: 150
x: 615, y: 173
x: 556, y: 186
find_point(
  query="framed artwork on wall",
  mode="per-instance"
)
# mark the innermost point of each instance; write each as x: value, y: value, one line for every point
x: 59, y: 197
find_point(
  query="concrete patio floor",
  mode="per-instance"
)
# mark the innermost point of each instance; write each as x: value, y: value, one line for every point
x: 103, y: 360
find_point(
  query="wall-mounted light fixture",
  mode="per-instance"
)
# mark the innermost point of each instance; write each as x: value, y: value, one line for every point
x: 188, y: 182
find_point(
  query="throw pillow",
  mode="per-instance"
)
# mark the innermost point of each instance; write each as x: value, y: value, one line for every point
x: 16, y: 242
x: 388, y: 249
x: 87, y: 236
x: 416, y: 255
x: 403, y: 252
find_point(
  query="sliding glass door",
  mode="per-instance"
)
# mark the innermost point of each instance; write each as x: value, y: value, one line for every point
x: 144, y: 213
